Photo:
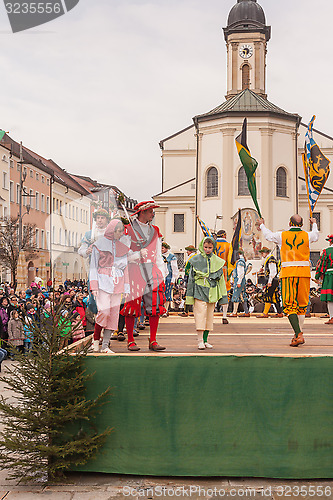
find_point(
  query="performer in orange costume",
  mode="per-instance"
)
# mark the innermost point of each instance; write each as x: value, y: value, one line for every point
x: 295, y: 269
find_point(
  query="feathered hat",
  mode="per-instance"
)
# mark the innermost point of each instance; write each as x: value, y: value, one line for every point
x: 144, y: 205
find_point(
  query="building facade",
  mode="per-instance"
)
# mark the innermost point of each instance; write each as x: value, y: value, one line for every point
x: 201, y: 171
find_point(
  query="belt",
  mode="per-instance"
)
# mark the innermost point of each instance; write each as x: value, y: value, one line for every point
x: 296, y: 263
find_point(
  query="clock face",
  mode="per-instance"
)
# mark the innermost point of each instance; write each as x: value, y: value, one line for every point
x: 246, y: 51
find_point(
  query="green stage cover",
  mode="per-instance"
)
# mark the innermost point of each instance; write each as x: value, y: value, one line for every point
x: 215, y: 416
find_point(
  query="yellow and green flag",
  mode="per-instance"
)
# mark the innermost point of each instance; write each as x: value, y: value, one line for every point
x: 249, y: 164
x: 234, y: 245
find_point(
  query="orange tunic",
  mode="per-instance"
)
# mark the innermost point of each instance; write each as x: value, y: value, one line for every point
x: 295, y: 254
x: 222, y: 251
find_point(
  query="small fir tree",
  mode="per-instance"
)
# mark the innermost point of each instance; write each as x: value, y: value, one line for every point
x: 49, y: 429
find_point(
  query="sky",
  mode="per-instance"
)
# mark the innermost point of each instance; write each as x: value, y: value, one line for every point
x: 98, y: 88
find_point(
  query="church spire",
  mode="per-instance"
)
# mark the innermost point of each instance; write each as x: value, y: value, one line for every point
x: 246, y: 37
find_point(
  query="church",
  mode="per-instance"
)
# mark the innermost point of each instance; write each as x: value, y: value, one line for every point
x: 201, y: 171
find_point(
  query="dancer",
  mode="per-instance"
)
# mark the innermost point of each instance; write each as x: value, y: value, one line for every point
x: 206, y: 286
x: 146, y: 273
x: 173, y: 272
x: 324, y: 273
x: 191, y: 252
x: 271, y: 293
x: 108, y: 278
x: 295, y: 269
x: 101, y: 219
x: 222, y: 251
x: 239, y: 294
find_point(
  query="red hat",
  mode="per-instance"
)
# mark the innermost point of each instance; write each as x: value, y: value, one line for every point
x: 329, y: 237
x: 144, y: 205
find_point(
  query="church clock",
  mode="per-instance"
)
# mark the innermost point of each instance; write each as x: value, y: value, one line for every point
x: 246, y: 51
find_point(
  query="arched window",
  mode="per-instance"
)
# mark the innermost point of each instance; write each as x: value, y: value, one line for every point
x: 212, y: 182
x: 245, y: 76
x: 281, y: 182
x: 243, y: 189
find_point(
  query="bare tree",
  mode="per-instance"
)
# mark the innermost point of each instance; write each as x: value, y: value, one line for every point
x: 9, y: 244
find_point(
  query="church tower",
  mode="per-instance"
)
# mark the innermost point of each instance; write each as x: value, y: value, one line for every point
x: 246, y: 36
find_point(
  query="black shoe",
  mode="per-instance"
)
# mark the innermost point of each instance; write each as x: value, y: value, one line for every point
x: 135, y: 333
x: 120, y: 336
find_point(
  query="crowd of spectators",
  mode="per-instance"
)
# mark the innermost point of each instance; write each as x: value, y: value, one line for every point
x: 20, y: 311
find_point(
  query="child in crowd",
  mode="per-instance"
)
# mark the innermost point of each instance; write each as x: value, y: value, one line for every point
x: 15, y: 331
x: 78, y: 332
x: 30, y: 319
x: 65, y: 329
x: 206, y: 286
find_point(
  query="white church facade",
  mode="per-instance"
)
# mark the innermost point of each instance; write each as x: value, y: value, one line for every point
x: 201, y: 171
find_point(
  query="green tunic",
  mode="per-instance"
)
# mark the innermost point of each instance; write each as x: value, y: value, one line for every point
x: 206, y: 279
x: 324, y: 271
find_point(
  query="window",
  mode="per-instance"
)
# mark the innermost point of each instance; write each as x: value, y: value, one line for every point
x: 65, y: 209
x: 73, y: 213
x: 31, y: 198
x: 180, y: 260
x: 245, y: 76
x: 48, y: 240
x: 77, y: 214
x: 17, y: 193
x: 18, y: 166
x: 48, y: 182
x: 5, y: 180
x: 178, y: 223
x: 243, y: 189
x: 60, y: 237
x: 11, y: 163
x: 31, y: 173
x: 57, y: 206
x: 43, y: 179
x: 37, y: 176
x: 316, y: 215
x: 11, y: 191
x: 43, y: 238
x: 281, y: 182
x: 212, y: 182
x: 42, y: 202
x: 60, y: 207
x: 314, y: 257
x: 37, y: 201
x: 48, y: 204
x: 81, y: 215
x: 65, y: 237
x: 53, y: 234
x: 37, y: 238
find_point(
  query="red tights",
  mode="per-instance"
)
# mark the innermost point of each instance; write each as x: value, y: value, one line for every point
x: 153, y: 324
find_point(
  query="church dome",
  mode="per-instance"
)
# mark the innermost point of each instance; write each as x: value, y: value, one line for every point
x: 246, y: 11
x: 247, y: 16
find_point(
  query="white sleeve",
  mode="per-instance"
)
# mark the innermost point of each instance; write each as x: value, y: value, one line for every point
x: 240, y: 273
x: 83, y: 250
x: 272, y: 271
x: 314, y: 234
x: 269, y: 236
x: 159, y: 259
x: 175, y: 270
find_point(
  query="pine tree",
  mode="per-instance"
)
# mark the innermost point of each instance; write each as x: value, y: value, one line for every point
x: 50, y: 427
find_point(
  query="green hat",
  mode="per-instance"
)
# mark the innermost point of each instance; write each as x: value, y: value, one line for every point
x: 102, y: 212
x: 165, y: 245
x: 191, y: 248
x: 264, y: 250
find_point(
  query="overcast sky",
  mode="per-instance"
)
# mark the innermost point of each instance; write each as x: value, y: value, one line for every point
x: 97, y: 89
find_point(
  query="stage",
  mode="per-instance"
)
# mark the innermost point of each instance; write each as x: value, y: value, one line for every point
x: 251, y: 406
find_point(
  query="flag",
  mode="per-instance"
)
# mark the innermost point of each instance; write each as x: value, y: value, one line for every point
x: 204, y: 228
x: 234, y: 245
x: 249, y: 164
x: 2, y: 133
x: 316, y: 167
